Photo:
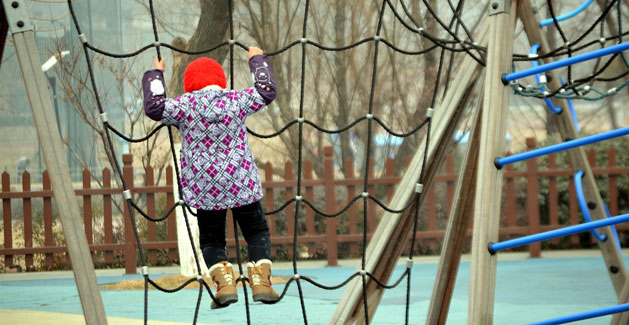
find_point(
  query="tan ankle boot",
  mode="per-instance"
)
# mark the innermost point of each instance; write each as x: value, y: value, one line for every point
x: 223, y: 276
x: 260, y: 281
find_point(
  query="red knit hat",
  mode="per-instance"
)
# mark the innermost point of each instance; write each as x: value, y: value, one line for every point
x: 203, y: 72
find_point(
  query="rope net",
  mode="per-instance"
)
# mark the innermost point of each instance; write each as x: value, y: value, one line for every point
x: 454, y: 45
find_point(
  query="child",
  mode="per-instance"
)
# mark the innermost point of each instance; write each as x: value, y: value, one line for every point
x: 218, y: 167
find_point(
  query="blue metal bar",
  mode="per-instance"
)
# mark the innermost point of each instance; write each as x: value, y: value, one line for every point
x: 548, y: 102
x: 571, y: 230
x: 573, y: 113
x: 585, y: 315
x: 500, y: 162
x: 506, y: 78
x: 578, y: 186
x: 568, y: 15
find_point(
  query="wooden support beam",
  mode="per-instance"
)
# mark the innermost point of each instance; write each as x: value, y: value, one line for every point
x: 390, y: 237
x: 578, y: 158
x: 458, y: 222
x: 622, y: 318
x: 4, y: 30
x: 489, y: 179
x: 54, y: 155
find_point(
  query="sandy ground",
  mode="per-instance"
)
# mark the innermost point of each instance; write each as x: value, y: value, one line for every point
x: 13, y: 316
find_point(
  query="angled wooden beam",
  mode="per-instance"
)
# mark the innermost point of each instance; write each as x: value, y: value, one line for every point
x: 489, y: 179
x: 4, y: 29
x: 578, y: 158
x: 458, y: 221
x: 390, y: 237
x: 54, y: 155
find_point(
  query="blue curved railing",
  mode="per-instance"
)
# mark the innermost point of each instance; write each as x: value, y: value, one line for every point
x: 568, y: 15
x: 578, y: 186
x: 613, y: 229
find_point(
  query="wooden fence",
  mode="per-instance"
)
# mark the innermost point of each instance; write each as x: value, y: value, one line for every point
x: 318, y: 237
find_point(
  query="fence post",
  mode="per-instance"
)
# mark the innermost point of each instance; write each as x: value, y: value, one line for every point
x: 129, y: 239
x: 310, y: 215
x: 372, y: 221
x: 450, y: 184
x: 87, y: 207
x: 173, y: 253
x: 613, y: 187
x: 511, y: 195
x: 151, y: 227
x: 48, y: 240
x: 351, y: 212
x: 28, y: 218
x: 107, y: 216
x: 290, y: 210
x: 532, y: 200
x: 270, y: 203
x: 553, y: 197
x: 6, y: 218
x: 330, y: 203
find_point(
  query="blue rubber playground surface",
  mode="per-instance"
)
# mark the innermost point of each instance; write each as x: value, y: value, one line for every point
x: 527, y: 290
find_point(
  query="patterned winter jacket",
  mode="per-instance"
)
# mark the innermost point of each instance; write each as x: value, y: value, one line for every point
x: 218, y: 167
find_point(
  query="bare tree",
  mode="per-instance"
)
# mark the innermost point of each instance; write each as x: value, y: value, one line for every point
x: 210, y: 31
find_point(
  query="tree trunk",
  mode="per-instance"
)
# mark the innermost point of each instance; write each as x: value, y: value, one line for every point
x: 211, y: 31
x: 340, y: 82
x: 410, y: 144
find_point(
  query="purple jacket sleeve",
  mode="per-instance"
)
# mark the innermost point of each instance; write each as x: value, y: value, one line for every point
x: 154, y: 94
x: 263, y: 77
x: 252, y: 100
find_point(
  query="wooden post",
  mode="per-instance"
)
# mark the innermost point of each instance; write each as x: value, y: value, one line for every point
x: 613, y: 182
x: 460, y: 215
x: 48, y: 241
x: 107, y: 216
x: 310, y: 215
x: 130, y: 265
x: 553, y: 197
x: 450, y: 184
x: 28, y: 218
x: 174, y: 216
x: 330, y: 203
x: 492, y: 140
x: 390, y: 236
x: 7, y: 218
x: 54, y: 156
x: 151, y: 227
x: 352, y: 211
x: 87, y: 207
x: 578, y: 159
x: 269, y: 200
x: 371, y: 211
x: 532, y: 200
x: 574, y: 210
x: 290, y: 211
x: 511, y: 198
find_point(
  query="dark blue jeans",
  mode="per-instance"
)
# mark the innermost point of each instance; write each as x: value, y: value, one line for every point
x: 252, y: 224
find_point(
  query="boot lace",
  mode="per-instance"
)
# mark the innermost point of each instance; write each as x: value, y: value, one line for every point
x: 228, y: 275
x: 256, y: 276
